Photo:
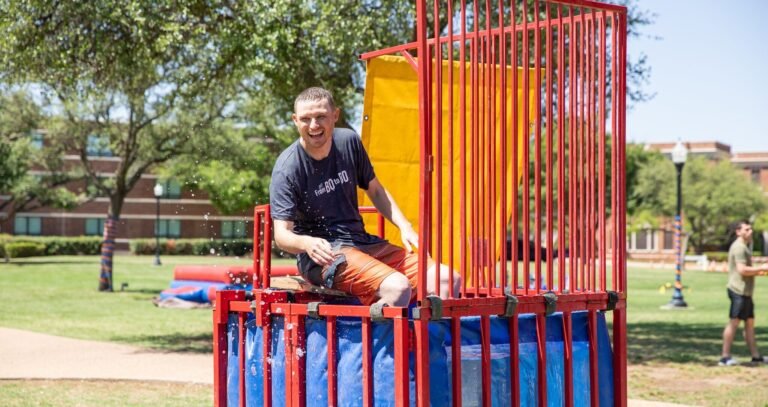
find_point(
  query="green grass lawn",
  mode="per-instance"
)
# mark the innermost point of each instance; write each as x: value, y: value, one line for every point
x: 672, y: 354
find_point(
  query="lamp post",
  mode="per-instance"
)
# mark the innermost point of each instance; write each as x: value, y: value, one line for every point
x: 679, y: 155
x: 158, y: 190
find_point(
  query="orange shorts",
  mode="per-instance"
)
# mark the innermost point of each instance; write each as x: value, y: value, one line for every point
x: 368, y: 266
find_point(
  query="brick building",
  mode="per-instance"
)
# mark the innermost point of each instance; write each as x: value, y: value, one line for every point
x: 184, y: 213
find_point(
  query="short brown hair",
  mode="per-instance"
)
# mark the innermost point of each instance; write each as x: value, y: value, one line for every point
x: 314, y: 94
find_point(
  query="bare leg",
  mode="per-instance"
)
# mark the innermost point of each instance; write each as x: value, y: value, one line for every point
x: 749, y: 337
x: 395, y: 290
x: 446, y: 291
x: 728, y: 333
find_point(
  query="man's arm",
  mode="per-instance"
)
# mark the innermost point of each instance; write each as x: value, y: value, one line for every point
x: 319, y: 250
x: 386, y: 205
x: 748, y: 271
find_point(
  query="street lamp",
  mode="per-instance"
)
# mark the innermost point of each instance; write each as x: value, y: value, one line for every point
x: 679, y: 154
x: 158, y: 190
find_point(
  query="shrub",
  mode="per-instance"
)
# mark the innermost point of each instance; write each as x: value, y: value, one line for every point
x: 24, y: 249
x: 4, y: 238
x: 717, y: 256
x: 200, y: 247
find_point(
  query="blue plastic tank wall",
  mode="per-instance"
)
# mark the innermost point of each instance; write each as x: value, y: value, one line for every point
x: 349, y: 362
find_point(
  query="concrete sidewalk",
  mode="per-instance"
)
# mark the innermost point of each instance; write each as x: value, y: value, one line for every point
x: 31, y: 355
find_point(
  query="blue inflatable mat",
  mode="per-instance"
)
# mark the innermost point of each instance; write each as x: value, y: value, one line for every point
x: 349, y: 362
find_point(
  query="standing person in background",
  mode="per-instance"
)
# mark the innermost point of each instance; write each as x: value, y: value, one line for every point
x: 313, y: 200
x: 741, y: 285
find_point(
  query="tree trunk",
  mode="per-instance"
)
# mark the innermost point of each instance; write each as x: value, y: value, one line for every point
x: 107, y: 252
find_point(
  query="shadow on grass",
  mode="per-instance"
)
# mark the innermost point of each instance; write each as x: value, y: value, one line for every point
x: 176, y: 342
x: 19, y: 262
x: 683, y: 343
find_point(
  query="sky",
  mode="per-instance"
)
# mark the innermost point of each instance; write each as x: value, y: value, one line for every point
x: 709, y: 73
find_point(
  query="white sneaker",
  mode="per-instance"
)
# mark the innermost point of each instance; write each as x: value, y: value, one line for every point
x: 728, y: 361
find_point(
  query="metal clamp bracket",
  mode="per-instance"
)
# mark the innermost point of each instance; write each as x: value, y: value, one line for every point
x: 550, y: 301
x: 436, y: 306
x: 510, y: 309
x: 613, y: 299
x: 377, y: 311
x: 313, y: 309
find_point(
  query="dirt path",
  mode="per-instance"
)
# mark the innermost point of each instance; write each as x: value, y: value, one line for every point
x: 30, y: 355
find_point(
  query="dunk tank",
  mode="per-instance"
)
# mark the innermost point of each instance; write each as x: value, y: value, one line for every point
x: 500, y: 131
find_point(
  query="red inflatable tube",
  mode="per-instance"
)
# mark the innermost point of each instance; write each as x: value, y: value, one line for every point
x: 214, y: 273
x: 284, y: 270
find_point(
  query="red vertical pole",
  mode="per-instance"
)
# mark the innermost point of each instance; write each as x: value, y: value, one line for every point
x: 573, y: 117
x: 422, y: 362
x: 549, y: 167
x: 561, y: 234
x: 241, y: 357
x: 485, y: 355
x: 620, y: 321
x: 491, y: 150
x: 299, y: 362
x: 451, y: 209
x: 463, y: 149
x: 475, y: 239
x: 589, y: 137
x: 602, y: 192
x: 257, y: 281
x: 332, y: 343
x: 594, y: 383
x: 367, y: 364
x: 401, y: 361
x: 620, y: 357
x: 502, y: 229
x: 615, y: 227
x: 438, y: 136
x: 568, y: 358
x: 516, y: 135
x: 526, y: 155
x: 266, y: 350
x: 537, y: 146
x: 456, y: 361
x: 541, y: 337
x: 265, y: 282
x: 220, y: 319
x: 381, y: 226
x: 425, y: 134
x: 514, y: 360
x: 581, y: 137
x: 288, y: 343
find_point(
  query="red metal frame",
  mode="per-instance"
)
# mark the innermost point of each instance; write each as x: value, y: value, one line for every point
x: 571, y: 56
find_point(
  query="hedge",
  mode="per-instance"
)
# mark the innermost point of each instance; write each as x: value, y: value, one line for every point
x: 200, y: 247
x: 55, y: 245
x: 24, y: 249
x: 717, y: 256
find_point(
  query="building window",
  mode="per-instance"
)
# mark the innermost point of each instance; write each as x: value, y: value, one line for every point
x: 98, y: 146
x: 755, y: 173
x: 94, y: 227
x: 669, y: 240
x: 643, y: 240
x: 171, y: 189
x: 233, y: 229
x: 24, y: 225
x: 170, y: 228
x: 36, y: 140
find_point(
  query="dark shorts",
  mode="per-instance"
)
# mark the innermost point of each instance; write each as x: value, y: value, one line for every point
x: 741, y: 306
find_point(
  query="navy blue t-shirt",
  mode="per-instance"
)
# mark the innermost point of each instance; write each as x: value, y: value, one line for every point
x: 320, y: 196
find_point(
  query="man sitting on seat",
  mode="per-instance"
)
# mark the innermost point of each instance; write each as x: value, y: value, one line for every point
x: 313, y: 199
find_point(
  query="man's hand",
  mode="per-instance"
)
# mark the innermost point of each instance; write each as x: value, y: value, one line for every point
x: 319, y: 250
x: 409, y: 236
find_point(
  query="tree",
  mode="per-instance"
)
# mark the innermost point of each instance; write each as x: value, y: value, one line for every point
x: 714, y: 195
x: 20, y: 118
x: 147, y: 81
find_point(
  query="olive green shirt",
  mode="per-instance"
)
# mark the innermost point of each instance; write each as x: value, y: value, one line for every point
x: 740, y: 253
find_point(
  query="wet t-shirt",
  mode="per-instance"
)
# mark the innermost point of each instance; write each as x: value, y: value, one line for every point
x: 320, y: 196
